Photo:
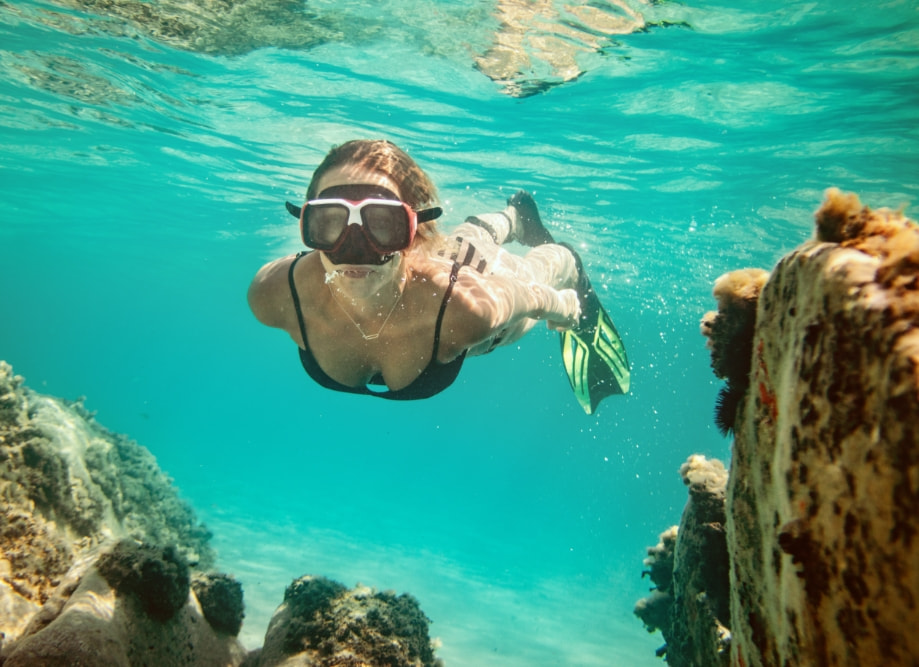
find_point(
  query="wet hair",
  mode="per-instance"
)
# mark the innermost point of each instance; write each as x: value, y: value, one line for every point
x: 385, y: 157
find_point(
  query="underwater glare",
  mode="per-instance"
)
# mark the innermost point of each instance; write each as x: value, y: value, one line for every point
x: 148, y: 149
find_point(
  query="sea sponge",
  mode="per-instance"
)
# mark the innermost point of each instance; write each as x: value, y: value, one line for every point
x: 660, y: 560
x: 730, y: 337
x: 882, y: 233
x: 841, y: 217
x: 704, y: 475
x: 157, y: 576
x: 221, y: 599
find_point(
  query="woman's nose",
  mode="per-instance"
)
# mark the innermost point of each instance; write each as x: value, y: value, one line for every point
x: 355, y: 249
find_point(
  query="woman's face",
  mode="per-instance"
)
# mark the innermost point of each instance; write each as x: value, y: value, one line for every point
x: 359, y: 280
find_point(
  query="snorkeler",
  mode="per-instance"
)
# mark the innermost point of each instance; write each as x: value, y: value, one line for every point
x: 385, y: 301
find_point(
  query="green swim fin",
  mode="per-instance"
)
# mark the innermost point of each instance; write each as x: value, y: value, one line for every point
x: 593, y: 352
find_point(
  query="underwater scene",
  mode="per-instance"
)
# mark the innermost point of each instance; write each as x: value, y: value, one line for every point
x: 147, y: 149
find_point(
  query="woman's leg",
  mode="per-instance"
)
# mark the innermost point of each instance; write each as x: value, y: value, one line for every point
x: 547, y: 263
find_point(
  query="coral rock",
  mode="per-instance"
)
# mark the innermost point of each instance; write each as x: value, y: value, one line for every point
x: 691, y: 603
x: 321, y: 623
x: 823, y: 528
x: 88, y: 622
x: 71, y: 489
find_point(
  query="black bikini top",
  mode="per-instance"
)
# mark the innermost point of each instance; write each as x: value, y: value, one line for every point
x: 433, y: 379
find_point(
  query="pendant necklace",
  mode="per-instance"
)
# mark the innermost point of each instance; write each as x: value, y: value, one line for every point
x: 366, y: 336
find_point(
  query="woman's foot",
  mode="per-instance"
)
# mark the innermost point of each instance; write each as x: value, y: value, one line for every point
x: 528, y: 227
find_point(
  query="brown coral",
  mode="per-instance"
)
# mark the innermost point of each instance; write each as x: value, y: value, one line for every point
x: 690, y: 568
x: 822, y: 526
x: 326, y: 624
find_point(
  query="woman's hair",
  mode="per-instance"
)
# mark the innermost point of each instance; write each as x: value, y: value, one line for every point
x: 385, y: 157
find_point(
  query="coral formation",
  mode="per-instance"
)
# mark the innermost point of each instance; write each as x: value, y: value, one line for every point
x: 323, y: 623
x: 690, y: 570
x: 88, y: 622
x: 822, y: 525
x: 654, y: 610
x: 69, y: 486
x: 102, y: 564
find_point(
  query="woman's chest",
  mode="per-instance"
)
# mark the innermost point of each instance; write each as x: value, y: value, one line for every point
x: 354, y: 355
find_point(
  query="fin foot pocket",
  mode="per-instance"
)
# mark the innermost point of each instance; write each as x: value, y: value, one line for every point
x: 530, y: 230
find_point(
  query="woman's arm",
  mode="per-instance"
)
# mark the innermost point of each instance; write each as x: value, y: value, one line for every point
x: 486, y: 308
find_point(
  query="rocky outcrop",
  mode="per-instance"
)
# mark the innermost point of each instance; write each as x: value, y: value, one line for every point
x: 823, y: 525
x: 81, y: 581
x: 823, y: 528
x: 689, y: 568
x: 102, y: 564
x: 221, y: 599
x: 821, y: 359
x: 132, y: 606
x: 321, y: 624
x: 654, y: 610
x: 69, y: 487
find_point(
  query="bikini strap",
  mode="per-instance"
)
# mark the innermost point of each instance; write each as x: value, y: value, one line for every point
x: 443, y: 308
x: 296, y: 297
x: 465, y: 255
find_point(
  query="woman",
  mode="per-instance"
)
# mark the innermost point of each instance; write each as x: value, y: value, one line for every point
x: 385, y: 301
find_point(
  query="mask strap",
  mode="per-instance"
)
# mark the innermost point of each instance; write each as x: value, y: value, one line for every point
x: 428, y: 214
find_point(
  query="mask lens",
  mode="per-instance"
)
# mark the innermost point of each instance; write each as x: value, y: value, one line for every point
x: 387, y: 225
x: 325, y: 223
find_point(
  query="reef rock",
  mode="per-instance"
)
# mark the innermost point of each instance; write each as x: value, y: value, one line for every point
x: 823, y: 499
x: 133, y: 606
x: 321, y: 623
x: 102, y: 564
x: 689, y: 568
x: 654, y: 610
x: 69, y: 487
x: 80, y: 582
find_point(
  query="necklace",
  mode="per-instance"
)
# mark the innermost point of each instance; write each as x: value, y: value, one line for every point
x: 367, y: 336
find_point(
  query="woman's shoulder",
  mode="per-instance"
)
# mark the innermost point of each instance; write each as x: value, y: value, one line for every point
x: 269, y: 293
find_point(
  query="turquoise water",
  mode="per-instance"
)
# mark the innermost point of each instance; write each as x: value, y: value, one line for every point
x: 143, y: 185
